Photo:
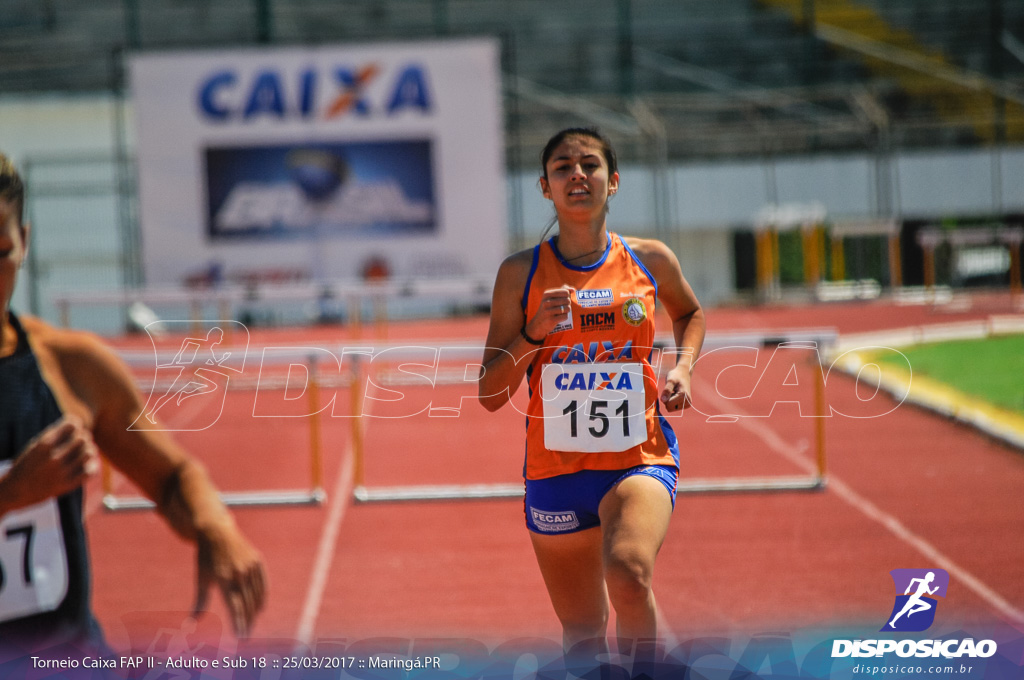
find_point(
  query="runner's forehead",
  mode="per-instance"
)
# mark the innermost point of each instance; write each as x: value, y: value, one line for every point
x: 574, y: 148
x: 584, y: 155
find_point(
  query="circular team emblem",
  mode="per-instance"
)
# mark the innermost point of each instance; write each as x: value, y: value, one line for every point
x: 634, y: 311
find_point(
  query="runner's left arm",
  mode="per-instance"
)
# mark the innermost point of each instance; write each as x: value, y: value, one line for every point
x: 178, y: 484
x: 682, y: 306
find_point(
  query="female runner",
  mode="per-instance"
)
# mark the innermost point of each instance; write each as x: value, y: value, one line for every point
x: 575, y: 315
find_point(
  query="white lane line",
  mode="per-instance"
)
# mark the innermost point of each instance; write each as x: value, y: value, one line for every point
x: 873, y: 512
x: 982, y: 590
x: 339, y: 501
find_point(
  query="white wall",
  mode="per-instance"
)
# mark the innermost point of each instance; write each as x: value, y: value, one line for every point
x: 37, y: 130
x: 55, y: 124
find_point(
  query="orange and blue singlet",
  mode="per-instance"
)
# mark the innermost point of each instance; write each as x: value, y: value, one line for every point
x: 593, y: 392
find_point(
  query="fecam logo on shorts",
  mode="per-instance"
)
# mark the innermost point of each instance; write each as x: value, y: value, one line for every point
x: 563, y: 520
x: 915, y: 605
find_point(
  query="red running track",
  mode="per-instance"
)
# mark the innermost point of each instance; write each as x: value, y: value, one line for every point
x: 907, y: 489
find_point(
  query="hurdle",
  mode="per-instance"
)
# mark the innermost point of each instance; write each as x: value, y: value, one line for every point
x: 353, y: 374
x: 819, y: 339
x: 313, y: 494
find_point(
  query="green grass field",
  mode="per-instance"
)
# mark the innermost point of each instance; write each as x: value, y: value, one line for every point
x: 991, y: 369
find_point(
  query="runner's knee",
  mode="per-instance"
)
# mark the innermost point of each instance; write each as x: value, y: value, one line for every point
x: 628, y: 573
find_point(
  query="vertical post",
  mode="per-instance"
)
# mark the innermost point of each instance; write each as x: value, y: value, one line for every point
x: 763, y: 258
x: 127, y: 229
x: 929, y: 240
x: 264, y: 22
x: 812, y: 268
x: 1013, y: 238
x: 316, y: 478
x: 356, y: 405
x: 838, y: 258
x: 895, y: 261
x: 776, y: 282
x: 821, y: 412
x: 929, y: 266
x: 625, y: 25
x: 509, y: 62
x: 821, y: 235
x: 1015, y: 282
x: 995, y: 68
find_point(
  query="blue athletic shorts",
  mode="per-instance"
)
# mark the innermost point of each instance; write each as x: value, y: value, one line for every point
x: 568, y: 503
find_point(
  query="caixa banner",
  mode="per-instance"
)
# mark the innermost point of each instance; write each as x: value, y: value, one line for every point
x: 319, y: 161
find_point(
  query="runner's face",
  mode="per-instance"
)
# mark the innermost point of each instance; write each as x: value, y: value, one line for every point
x: 578, y: 179
x: 12, y: 250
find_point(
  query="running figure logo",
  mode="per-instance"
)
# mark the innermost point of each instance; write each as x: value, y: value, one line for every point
x: 914, y: 610
x: 200, y: 367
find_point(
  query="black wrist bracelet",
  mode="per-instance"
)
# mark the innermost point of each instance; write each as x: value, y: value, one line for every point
x: 522, y: 332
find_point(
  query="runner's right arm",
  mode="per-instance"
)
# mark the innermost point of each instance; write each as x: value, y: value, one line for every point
x: 58, y: 460
x: 507, y: 354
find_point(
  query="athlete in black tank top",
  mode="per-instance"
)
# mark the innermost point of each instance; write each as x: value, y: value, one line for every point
x: 65, y: 398
x: 30, y: 619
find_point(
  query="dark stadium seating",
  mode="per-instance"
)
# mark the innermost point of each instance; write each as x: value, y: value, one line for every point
x: 719, y: 77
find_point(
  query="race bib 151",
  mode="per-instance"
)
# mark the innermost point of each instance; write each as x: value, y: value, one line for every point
x: 593, y: 407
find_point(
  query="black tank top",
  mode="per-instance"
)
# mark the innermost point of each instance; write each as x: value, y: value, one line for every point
x: 27, y: 407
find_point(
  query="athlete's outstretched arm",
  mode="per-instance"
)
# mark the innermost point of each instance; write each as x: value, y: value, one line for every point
x: 507, y: 354
x: 170, y: 477
x: 682, y: 306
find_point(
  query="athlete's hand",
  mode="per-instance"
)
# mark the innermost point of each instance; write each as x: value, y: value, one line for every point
x: 553, y: 309
x: 58, y: 460
x: 227, y: 559
x: 676, y: 395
